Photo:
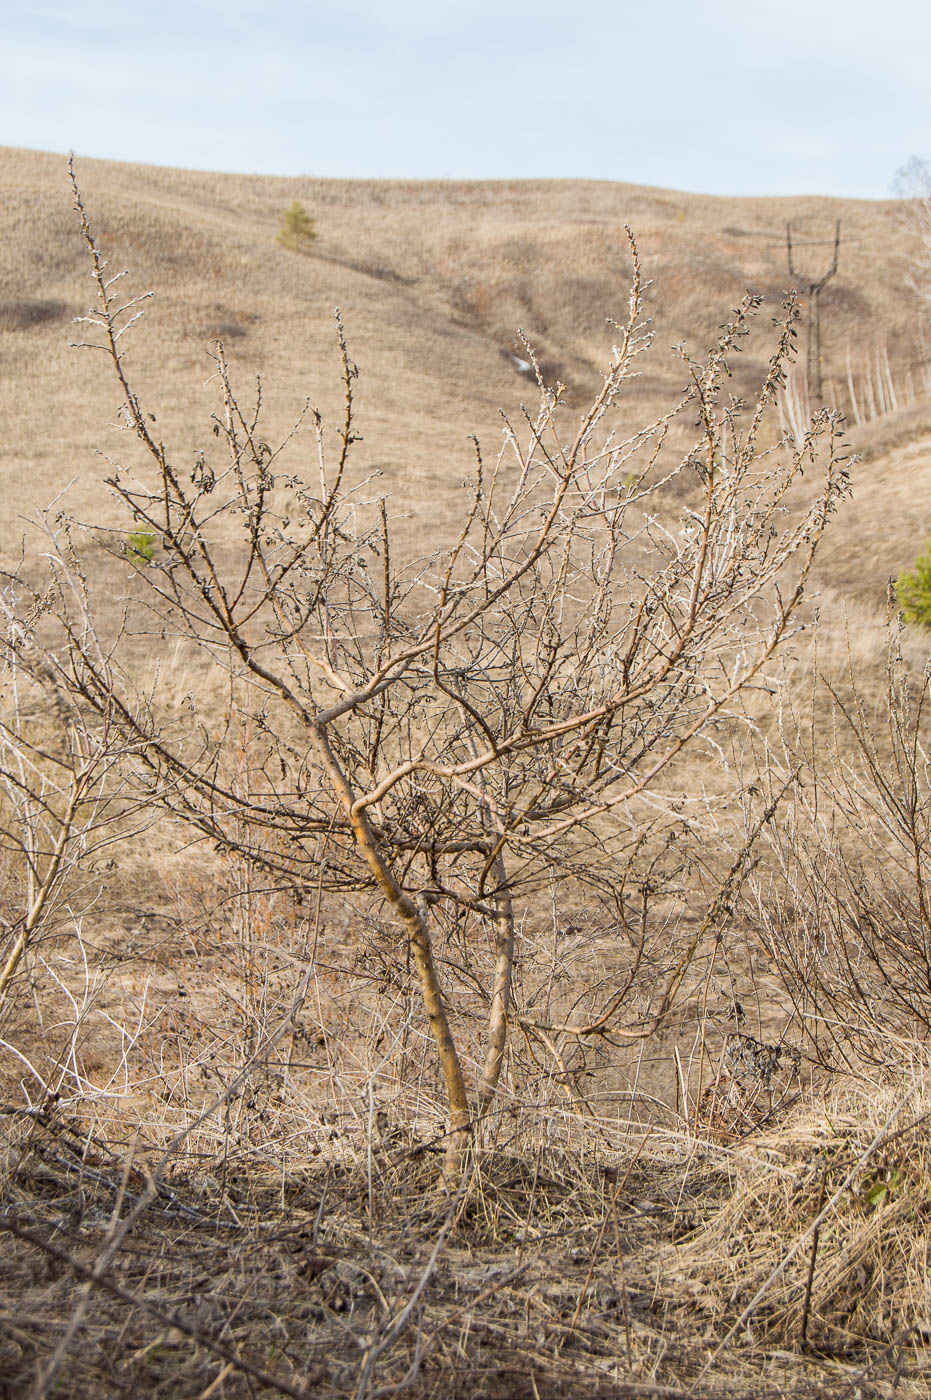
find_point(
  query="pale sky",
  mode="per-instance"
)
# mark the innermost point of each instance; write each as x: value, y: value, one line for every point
x: 714, y: 96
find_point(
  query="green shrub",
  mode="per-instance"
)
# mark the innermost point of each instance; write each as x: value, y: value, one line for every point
x: 140, y: 546
x: 913, y: 590
x: 297, y: 230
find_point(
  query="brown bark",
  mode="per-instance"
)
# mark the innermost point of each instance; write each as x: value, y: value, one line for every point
x: 501, y: 991
x: 415, y: 917
x: 36, y: 909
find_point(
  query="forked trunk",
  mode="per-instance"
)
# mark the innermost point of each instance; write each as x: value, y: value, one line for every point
x: 416, y: 922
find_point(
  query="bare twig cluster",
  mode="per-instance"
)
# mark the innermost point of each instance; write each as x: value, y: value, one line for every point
x: 63, y: 802
x: 844, y: 910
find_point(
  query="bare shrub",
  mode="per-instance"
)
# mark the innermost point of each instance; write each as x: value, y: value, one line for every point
x: 508, y: 715
x: 842, y: 905
x: 912, y: 184
x: 63, y: 804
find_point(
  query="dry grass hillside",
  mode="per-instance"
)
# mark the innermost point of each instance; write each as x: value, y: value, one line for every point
x: 433, y: 281
x: 221, y: 1114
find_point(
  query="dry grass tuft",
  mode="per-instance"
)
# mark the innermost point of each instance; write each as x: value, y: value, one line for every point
x: 821, y: 1243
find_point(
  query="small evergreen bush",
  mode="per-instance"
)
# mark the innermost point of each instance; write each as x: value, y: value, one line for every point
x: 913, y: 590
x: 297, y: 230
x: 140, y: 546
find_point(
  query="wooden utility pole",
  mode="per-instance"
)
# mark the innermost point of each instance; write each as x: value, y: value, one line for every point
x: 813, y: 289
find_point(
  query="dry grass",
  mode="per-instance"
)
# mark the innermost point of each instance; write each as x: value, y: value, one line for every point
x: 630, y: 1204
x: 821, y: 1244
x: 550, y: 1277
x: 609, y: 1241
x: 433, y: 281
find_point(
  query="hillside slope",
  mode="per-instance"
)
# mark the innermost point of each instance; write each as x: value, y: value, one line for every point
x: 433, y: 281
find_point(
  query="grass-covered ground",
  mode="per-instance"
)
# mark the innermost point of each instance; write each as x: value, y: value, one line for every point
x: 221, y: 1122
